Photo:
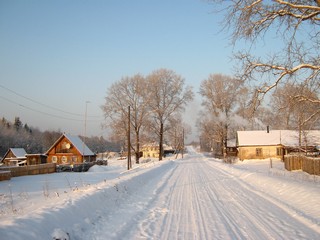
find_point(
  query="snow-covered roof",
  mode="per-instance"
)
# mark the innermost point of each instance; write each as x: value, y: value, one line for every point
x: 276, y: 137
x: 18, y: 152
x: 79, y: 144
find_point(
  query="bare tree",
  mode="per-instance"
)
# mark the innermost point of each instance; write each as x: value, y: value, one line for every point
x: 293, y: 112
x: 220, y: 98
x: 294, y: 23
x: 167, y: 96
x: 129, y: 91
x: 209, y: 137
x: 177, y: 132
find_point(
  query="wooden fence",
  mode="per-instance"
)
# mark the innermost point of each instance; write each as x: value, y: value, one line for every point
x: 30, y: 170
x: 306, y: 164
x: 5, y: 175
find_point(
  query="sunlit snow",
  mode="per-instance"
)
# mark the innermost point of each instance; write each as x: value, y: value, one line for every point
x: 197, y: 197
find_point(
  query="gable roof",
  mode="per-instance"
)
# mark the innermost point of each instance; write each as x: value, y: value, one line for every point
x: 77, y: 143
x: 277, y: 137
x: 18, y: 152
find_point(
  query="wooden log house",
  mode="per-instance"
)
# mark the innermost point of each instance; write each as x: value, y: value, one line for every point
x: 69, y: 150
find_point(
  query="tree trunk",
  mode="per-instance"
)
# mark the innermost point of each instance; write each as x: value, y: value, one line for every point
x: 137, y: 148
x: 225, y: 140
x: 161, y: 142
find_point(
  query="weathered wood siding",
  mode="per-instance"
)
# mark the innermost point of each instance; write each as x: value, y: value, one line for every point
x: 250, y: 152
x: 35, y: 159
x: 31, y: 170
x: 306, y: 164
x: 65, y: 153
x: 292, y: 162
x: 62, y: 155
x: 5, y: 175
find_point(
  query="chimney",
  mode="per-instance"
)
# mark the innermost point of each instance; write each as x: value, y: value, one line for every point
x: 268, y: 129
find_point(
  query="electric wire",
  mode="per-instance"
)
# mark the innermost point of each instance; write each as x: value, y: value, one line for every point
x: 44, y: 105
x: 34, y: 110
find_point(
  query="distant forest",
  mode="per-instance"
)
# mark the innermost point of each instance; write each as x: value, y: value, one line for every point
x: 20, y: 135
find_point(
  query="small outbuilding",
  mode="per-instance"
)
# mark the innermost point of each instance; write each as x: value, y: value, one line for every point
x: 36, y: 158
x: 14, y: 157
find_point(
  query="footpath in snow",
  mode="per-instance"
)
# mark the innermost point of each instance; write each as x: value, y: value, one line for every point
x: 196, y: 197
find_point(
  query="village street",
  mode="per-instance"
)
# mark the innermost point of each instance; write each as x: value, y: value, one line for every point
x: 191, y: 198
x: 200, y: 199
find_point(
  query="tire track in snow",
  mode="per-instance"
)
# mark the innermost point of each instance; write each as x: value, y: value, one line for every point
x: 224, y: 223
x: 202, y: 201
x: 263, y: 214
x: 122, y: 219
x: 160, y: 226
x: 232, y: 211
x: 195, y: 198
x: 186, y: 202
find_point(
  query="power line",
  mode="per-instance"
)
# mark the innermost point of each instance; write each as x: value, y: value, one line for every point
x: 34, y: 110
x: 42, y: 104
x: 44, y: 113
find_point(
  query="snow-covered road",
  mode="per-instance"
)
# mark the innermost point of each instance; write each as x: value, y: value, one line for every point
x: 191, y: 198
x: 197, y: 199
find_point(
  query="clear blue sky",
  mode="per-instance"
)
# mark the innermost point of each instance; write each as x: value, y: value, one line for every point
x: 64, y: 53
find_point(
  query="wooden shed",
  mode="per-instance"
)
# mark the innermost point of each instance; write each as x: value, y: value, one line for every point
x: 14, y: 157
x: 69, y: 150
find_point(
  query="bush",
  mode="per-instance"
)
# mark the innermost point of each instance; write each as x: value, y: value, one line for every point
x: 84, y: 167
x: 63, y: 168
x: 230, y: 159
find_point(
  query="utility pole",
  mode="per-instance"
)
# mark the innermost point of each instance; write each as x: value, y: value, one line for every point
x: 85, y: 131
x: 129, y: 143
x: 182, y: 141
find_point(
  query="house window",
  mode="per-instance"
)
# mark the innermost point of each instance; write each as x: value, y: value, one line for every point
x: 54, y: 159
x: 65, y: 147
x: 259, y: 152
x: 64, y: 159
x: 74, y: 159
x: 279, y: 151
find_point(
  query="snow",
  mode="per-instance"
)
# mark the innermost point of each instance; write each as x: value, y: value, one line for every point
x: 76, y: 142
x: 276, y: 137
x: 197, y: 197
x: 18, y: 152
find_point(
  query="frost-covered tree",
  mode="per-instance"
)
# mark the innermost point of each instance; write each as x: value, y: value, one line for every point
x: 128, y: 92
x: 292, y: 112
x: 168, y: 96
x: 221, y: 94
x: 296, y: 56
x: 18, y: 136
x: 17, y: 123
x: 177, y: 132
